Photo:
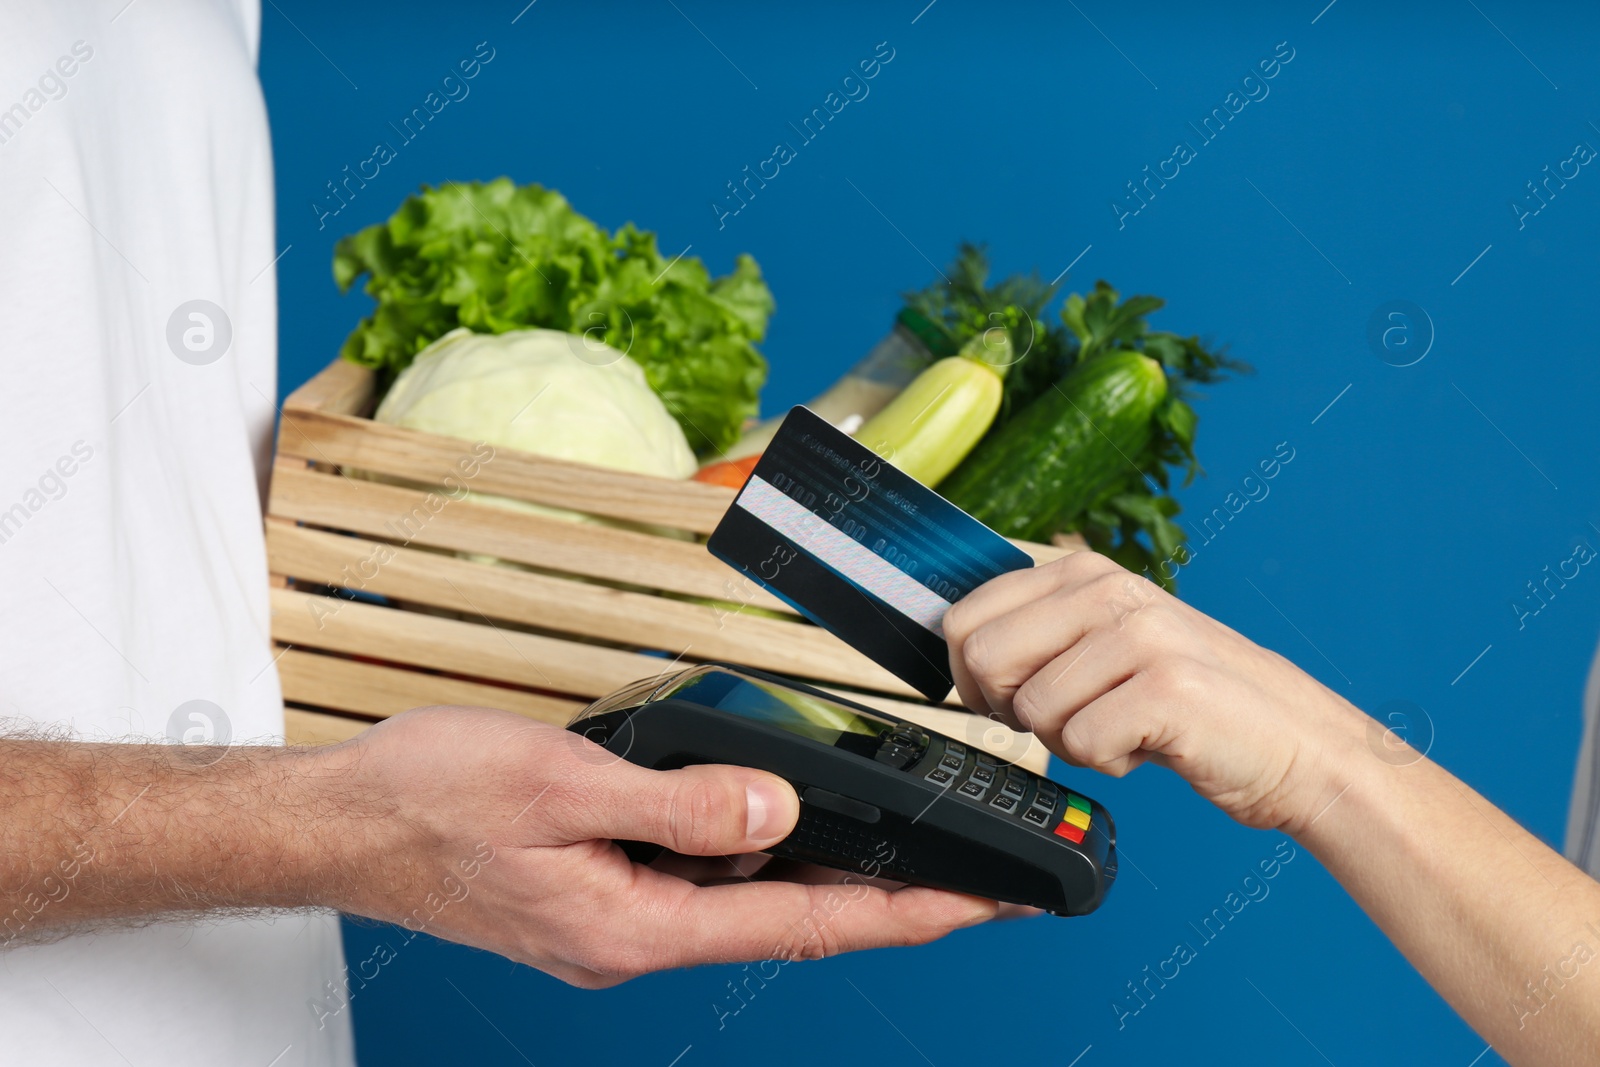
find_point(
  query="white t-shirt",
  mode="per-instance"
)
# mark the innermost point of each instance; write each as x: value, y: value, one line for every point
x: 136, y: 180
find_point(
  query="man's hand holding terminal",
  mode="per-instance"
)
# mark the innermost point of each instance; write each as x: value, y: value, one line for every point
x: 478, y: 826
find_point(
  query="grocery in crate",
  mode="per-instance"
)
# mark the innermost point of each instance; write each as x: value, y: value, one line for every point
x: 500, y: 493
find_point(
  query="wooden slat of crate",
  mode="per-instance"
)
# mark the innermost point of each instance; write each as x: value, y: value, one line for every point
x: 566, y: 667
x: 381, y: 691
x: 399, y: 513
x: 425, y: 457
x: 340, y: 388
x: 697, y: 631
x: 472, y: 649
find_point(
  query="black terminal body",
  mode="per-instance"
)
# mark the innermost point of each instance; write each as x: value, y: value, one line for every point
x: 880, y: 796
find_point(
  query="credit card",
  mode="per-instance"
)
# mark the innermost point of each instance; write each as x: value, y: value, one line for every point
x: 860, y: 548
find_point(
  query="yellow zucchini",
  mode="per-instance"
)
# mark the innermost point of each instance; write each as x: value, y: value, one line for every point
x: 941, y: 415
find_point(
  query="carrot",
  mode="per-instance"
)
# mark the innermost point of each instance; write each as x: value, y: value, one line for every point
x: 731, y: 473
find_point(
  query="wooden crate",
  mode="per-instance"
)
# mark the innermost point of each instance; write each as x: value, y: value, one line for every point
x: 573, y: 611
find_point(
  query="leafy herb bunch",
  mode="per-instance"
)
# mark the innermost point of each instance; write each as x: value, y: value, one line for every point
x: 1132, y: 520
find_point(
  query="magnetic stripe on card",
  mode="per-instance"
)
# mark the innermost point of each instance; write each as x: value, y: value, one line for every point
x: 844, y: 554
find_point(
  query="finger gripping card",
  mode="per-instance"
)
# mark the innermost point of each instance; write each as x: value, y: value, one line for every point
x: 860, y: 548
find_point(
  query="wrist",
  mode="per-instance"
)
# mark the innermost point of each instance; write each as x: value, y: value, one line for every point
x: 338, y: 829
x: 1329, y: 762
x: 359, y: 851
x: 284, y: 814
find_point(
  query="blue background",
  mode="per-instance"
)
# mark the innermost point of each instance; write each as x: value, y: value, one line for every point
x: 1385, y: 559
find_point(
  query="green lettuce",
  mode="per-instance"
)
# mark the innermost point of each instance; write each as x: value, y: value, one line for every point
x: 496, y: 256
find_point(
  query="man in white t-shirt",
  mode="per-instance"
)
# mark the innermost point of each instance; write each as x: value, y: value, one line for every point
x: 138, y: 333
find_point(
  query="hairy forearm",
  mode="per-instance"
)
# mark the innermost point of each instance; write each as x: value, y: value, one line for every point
x: 1496, y: 921
x: 94, y: 832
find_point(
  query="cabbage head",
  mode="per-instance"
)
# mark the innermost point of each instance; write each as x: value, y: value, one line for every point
x: 562, y: 395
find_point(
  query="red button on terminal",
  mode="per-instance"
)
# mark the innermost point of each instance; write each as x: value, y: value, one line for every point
x: 1070, y: 832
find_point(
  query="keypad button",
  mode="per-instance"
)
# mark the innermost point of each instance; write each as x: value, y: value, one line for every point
x: 1081, y: 803
x: 952, y: 761
x: 971, y: 789
x: 1044, y: 805
x: 983, y: 774
x: 1015, y: 787
x: 939, y: 776
x: 1004, y: 803
x: 956, y: 749
x: 1074, y: 817
x: 1035, y: 816
x: 1070, y: 832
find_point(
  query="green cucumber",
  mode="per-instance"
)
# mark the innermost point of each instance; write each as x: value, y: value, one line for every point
x: 1039, y: 472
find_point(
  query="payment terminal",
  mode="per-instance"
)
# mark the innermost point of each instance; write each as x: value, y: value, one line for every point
x: 879, y: 796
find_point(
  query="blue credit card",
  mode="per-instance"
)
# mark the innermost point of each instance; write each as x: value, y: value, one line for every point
x: 860, y: 548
